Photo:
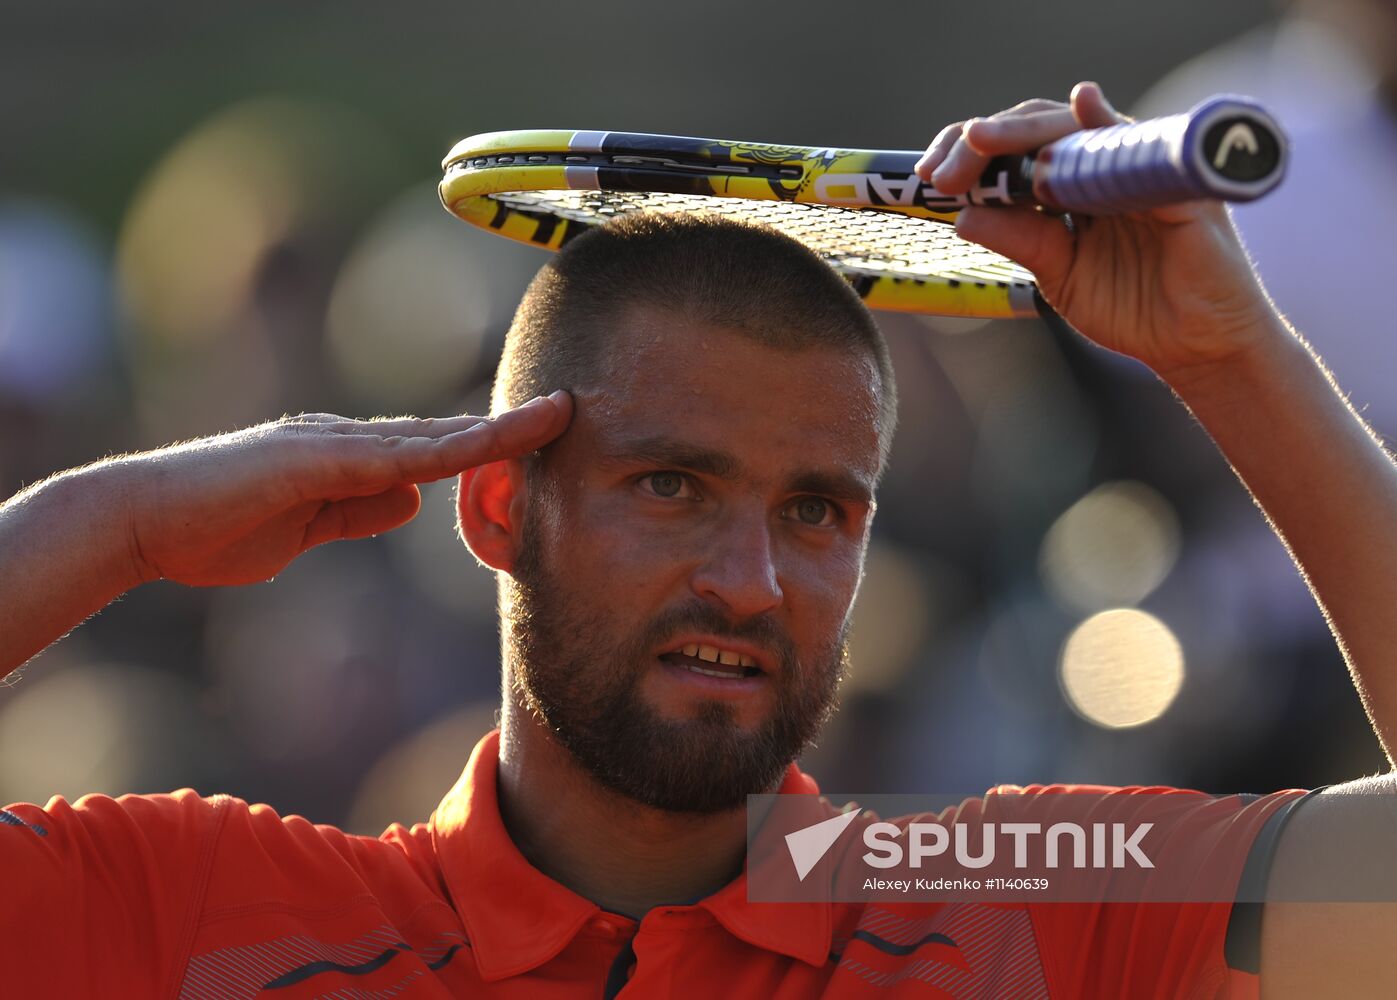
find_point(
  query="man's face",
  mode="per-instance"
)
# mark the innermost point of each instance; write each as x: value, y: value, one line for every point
x: 711, y: 494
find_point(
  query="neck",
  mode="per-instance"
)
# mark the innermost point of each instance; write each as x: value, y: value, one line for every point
x: 623, y: 856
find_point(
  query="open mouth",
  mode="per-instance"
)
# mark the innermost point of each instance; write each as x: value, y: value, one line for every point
x: 712, y: 661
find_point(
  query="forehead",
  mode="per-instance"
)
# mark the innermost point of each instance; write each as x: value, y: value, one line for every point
x: 664, y: 375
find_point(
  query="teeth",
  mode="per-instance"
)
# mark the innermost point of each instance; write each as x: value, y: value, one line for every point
x: 713, y: 654
x: 725, y: 674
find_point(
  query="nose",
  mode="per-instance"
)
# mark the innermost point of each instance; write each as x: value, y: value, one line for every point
x: 739, y: 571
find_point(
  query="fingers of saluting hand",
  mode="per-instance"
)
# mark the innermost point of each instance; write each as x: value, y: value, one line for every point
x: 362, y: 516
x: 363, y: 456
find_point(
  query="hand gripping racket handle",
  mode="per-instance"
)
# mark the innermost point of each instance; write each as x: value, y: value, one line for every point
x: 1226, y: 148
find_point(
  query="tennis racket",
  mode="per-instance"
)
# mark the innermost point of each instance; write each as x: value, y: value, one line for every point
x: 865, y: 211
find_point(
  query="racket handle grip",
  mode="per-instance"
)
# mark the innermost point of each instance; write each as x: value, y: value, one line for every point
x: 1226, y: 148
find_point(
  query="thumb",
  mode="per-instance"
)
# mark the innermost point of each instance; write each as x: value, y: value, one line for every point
x: 1039, y: 242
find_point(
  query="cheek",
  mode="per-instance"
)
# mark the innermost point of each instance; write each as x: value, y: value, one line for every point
x: 821, y: 581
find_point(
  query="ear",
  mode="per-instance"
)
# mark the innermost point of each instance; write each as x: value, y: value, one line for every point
x: 490, y: 511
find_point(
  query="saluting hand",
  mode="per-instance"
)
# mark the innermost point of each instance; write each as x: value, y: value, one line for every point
x: 237, y: 508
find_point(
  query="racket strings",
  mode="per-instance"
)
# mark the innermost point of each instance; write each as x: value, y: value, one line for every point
x: 879, y: 244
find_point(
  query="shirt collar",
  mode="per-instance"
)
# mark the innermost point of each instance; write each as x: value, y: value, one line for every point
x: 517, y: 918
x: 800, y: 930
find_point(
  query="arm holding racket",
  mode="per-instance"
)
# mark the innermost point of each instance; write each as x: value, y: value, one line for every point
x: 231, y: 509
x: 1172, y: 287
x: 1169, y: 286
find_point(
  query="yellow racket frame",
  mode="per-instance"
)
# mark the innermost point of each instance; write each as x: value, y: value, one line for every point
x: 512, y: 183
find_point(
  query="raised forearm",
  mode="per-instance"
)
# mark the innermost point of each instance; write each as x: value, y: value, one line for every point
x: 63, y: 556
x: 1327, y: 486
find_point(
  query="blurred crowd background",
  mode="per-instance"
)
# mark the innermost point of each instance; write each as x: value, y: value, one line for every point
x: 211, y: 216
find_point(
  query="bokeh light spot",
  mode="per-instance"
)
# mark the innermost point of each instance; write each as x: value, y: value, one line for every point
x: 408, y: 781
x: 55, y: 300
x: 1121, y: 668
x: 410, y: 308
x: 892, y: 620
x: 1114, y: 546
x: 219, y: 201
x: 76, y: 727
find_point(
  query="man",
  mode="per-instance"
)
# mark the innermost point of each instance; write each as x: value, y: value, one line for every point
x: 677, y: 565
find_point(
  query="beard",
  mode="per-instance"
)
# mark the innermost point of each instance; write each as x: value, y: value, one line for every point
x: 572, y: 669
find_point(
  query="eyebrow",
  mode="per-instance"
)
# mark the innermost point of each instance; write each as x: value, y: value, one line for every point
x: 838, y: 484
x: 835, y: 485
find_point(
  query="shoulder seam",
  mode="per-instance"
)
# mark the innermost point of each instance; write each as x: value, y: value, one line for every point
x: 1242, y: 938
x: 201, y: 884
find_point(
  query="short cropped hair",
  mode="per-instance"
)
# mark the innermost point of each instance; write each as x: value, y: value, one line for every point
x: 749, y: 278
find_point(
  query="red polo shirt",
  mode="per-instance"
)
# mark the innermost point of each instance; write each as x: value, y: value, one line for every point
x: 182, y: 896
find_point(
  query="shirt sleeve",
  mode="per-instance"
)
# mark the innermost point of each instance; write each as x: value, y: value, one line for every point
x: 100, y: 896
x: 1196, y: 949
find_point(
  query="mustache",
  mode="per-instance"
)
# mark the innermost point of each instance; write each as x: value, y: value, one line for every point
x: 700, y: 616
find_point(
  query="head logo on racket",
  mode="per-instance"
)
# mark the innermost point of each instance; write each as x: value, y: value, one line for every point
x: 1240, y: 152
